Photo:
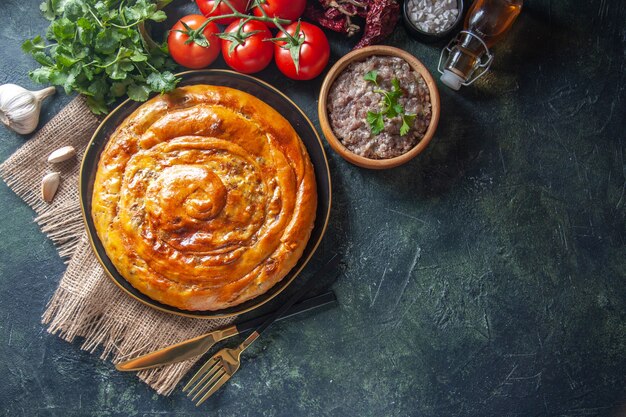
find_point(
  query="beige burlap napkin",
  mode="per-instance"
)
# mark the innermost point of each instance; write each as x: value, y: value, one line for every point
x: 86, y: 303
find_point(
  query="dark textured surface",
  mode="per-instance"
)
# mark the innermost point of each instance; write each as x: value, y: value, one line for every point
x: 485, y: 278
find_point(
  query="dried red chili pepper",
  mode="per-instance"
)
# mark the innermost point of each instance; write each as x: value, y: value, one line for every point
x: 382, y: 17
x: 336, y: 22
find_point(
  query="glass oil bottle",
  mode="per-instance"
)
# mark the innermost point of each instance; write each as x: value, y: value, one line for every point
x: 467, y: 57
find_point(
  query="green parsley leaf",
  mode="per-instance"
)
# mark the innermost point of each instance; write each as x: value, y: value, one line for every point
x: 159, y: 61
x: 407, y: 123
x: 98, y: 88
x: 107, y: 43
x: 138, y: 56
x: 162, y: 82
x: 96, y: 49
x: 116, y: 71
x: 70, y: 80
x: 101, y: 9
x: 65, y: 60
x: 132, y: 14
x: 41, y: 75
x: 58, y: 77
x: 138, y: 92
x: 119, y: 88
x: 52, y: 8
x: 47, y: 9
x: 390, y: 108
x: 62, y: 29
x: 96, y: 106
x: 371, y: 76
x: 88, y: 73
x: 395, y: 84
x: 30, y: 46
x: 376, y: 122
x: 42, y: 58
x: 73, y: 9
x: 158, y: 16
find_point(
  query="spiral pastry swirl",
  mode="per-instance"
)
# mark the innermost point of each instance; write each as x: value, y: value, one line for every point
x: 204, y: 198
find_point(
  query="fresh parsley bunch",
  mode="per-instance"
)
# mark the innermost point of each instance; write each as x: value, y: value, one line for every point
x: 391, y: 107
x: 96, y: 49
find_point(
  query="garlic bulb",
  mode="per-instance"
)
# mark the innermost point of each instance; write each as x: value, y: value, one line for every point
x: 20, y: 108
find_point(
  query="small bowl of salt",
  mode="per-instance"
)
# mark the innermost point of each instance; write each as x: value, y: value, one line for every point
x: 432, y: 20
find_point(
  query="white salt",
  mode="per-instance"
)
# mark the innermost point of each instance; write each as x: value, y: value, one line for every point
x: 433, y: 16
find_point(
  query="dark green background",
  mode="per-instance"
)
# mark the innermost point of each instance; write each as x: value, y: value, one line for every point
x: 485, y: 278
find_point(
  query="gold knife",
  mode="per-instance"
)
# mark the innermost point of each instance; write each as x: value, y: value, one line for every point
x: 201, y: 344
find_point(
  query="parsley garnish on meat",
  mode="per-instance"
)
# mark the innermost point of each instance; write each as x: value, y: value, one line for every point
x: 371, y: 76
x: 407, y: 122
x: 96, y: 49
x: 390, y: 107
x: 376, y: 122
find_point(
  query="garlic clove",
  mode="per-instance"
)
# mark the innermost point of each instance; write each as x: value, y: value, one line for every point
x: 20, y: 108
x: 62, y: 154
x: 49, y: 186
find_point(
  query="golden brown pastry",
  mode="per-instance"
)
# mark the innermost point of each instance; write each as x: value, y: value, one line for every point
x: 204, y: 198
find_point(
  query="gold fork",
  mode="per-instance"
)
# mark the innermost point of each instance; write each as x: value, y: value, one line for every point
x: 223, y: 365
x: 217, y: 370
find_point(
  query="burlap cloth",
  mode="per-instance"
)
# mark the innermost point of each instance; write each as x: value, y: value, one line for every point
x: 86, y: 303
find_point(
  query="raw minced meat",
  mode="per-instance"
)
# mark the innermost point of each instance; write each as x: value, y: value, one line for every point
x: 351, y: 97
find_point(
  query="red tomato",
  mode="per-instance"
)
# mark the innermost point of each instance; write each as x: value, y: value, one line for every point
x: 284, y: 9
x: 193, y: 55
x: 254, y: 54
x: 314, y: 52
x: 211, y: 8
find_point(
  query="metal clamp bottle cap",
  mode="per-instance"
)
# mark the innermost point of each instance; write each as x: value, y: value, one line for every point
x: 451, y: 54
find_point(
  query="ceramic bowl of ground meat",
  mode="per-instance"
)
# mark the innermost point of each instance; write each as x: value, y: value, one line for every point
x: 378, y: 107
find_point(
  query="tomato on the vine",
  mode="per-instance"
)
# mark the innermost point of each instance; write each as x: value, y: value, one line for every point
x: 204, y: 46
x: 246, y: 48
x: 210, y: 8
x: 284, y: 9
x: 302, y: 52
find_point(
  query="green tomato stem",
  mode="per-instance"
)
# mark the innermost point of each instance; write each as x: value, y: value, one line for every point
x: 230, y: 6
x: 236, y: 14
